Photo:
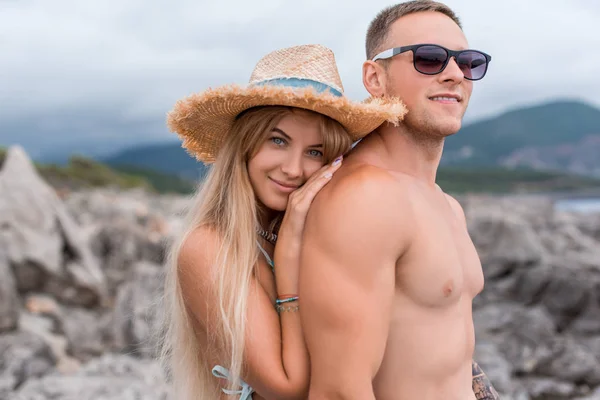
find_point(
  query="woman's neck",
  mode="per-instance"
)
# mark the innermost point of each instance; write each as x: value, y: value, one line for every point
x: 266, y: 216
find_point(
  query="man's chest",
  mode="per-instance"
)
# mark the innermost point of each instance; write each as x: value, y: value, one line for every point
x: 441, y: 264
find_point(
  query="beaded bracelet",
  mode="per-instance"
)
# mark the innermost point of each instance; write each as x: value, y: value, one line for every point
x: 281, y: 309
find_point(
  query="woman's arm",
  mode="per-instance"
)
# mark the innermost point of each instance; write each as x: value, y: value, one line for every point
x: 294, y: 360
x: 275, y: 357
x: 264, y: 368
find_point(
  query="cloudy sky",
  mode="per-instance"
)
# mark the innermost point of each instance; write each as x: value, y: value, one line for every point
x: 100, y: 74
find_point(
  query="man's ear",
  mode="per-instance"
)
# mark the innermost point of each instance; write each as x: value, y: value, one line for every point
x: 374, y: 78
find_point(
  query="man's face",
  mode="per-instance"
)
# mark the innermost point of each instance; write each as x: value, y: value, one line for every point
x: 426, y: 96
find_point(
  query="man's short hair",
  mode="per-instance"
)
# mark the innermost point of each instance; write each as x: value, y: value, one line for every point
x: 380, y: 26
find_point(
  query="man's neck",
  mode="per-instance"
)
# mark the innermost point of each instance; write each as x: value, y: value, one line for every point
x: 408, y: 152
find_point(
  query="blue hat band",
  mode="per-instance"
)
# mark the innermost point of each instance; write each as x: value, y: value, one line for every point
x: 301, y: 83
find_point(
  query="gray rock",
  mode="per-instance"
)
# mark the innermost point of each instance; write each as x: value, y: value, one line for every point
x: 494, y: 365
x: 122, y: 243
x: 594, y: 395
x: 531, y: 284
x: 111, y: 377
x: 496, y: 318
x: 587, y: 321
x: 566, y: 296
x: 87, y: 332
x: 570, y: 361
x: 548, y: 388
x: 570, y: 296
x: 573, y: 238
x: 518, y: 394
x: 504, y: 242
x: 9, y: 298
x: 24, y: 356
x: 590, y: 226
x: 500, y: 290
x: 78, y: 332
x: 45, y: 329
x: 137, y: 315
x: 527, y: 338
x: 42, y: 241
x: 592, y: 345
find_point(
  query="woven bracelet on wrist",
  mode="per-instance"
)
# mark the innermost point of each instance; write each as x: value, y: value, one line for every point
x: 288, y: 300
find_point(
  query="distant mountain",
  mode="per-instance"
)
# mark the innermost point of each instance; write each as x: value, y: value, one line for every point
x: 518, y: 180
x: 168, y: 158
x: 561, y: 135
x: 581, y: 157
x: 81, y: 172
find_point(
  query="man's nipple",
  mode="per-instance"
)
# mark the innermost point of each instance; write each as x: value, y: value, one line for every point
x: 448, y: 288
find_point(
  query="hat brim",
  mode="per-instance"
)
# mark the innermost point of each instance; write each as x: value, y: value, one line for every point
x: 203, y: 120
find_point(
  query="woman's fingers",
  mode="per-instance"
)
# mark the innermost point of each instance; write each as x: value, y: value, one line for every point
x: 331, y: 167
x: 305, y: 195
x: 300, y: 200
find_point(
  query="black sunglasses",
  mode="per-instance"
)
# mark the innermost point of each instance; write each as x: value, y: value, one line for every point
x: 431, y: 59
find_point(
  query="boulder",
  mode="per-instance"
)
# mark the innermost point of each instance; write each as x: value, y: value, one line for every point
x: 110, y: 377
x: 44, y: 246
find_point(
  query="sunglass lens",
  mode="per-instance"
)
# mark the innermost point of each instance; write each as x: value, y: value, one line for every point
x: 430, y: 59
x: 473, y: 64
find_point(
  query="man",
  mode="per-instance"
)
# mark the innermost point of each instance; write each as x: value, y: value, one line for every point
x: 388, y: 270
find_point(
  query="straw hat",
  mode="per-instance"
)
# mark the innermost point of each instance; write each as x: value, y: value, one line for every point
x: 302, y: 76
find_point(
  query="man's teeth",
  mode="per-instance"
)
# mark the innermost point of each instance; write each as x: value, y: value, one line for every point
x: 444, y: 98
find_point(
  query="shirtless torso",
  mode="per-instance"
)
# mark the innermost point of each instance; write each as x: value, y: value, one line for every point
x: 395, y: 295
x: 431, y: 337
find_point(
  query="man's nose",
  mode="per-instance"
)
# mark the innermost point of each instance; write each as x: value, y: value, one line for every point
x: 452, y: 71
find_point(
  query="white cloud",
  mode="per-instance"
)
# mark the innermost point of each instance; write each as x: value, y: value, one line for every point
x: 132, y: 59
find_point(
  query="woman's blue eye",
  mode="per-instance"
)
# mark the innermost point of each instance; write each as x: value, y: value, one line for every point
x: 315, y: 153
x: 277, y: 140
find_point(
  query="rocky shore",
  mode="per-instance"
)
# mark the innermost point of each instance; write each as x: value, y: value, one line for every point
x: 81, y: 277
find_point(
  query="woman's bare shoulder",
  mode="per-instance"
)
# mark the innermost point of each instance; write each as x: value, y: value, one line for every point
x: 195, y: 263
x: 199, y: 248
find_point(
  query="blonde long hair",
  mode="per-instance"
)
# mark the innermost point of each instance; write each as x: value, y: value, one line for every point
x: 226, y: 203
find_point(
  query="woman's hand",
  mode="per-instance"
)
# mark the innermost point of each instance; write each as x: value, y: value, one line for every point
x: 289, y: 240
x: 300, y: 200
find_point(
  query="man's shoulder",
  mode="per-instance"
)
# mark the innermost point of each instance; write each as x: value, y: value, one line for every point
x: 365, y: 190
x: 456, y: 207
x: 455, y: 203
x: 366, y: 205
x: 366, y: 180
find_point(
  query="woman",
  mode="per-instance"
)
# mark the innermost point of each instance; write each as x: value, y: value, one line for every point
x: 231, y: 294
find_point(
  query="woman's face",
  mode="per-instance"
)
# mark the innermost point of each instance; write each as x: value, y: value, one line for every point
x: 291, y: 153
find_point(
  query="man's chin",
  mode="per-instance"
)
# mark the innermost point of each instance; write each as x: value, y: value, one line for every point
x: 453, y: 130
x: 436, y: 125
x: 448, y: 126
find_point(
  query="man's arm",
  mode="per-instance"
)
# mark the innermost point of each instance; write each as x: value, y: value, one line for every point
x: 347, y: 280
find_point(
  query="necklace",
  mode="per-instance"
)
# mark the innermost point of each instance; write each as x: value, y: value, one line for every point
x: 269, y: 236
